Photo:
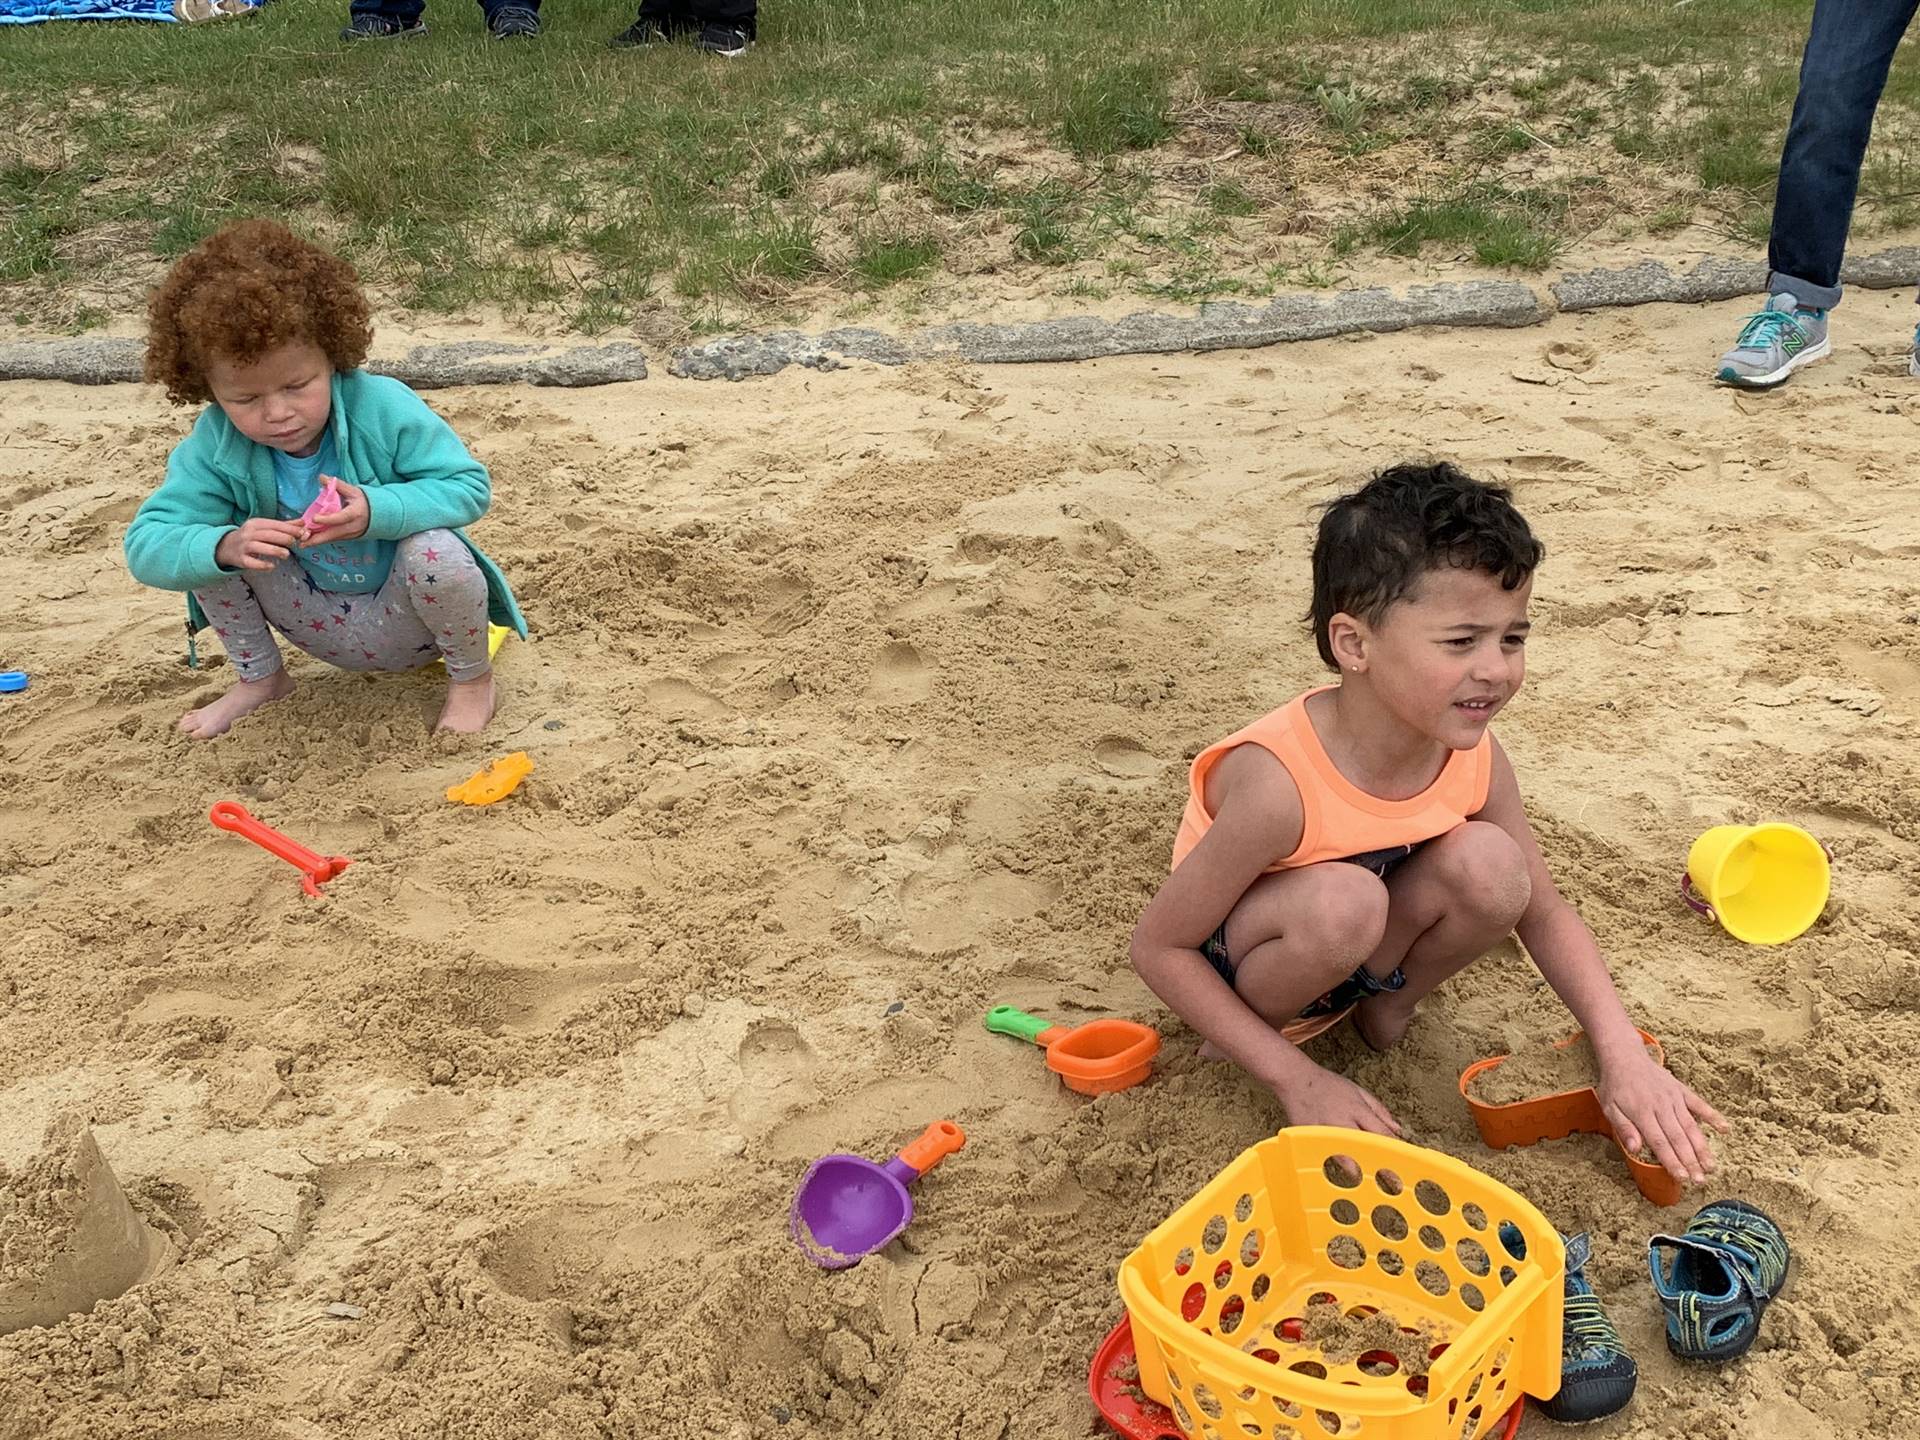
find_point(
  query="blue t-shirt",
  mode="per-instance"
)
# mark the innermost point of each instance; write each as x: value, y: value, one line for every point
x: 350, y: 567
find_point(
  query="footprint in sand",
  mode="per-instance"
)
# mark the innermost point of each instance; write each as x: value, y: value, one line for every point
x: 677, y: 700
x: 783, y: 605
x: 776, y: 1070
x: 949, y: 904
x: 900, y: 674
x: 1124, y: 758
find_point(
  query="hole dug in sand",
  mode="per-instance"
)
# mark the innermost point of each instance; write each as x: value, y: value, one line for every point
x: 68, y: 1237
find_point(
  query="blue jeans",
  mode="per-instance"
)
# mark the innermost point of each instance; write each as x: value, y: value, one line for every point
x: 1849, y: 49
x: 408, y: 11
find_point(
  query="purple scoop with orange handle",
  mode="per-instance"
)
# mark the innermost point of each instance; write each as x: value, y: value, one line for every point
x: 847, y: 1207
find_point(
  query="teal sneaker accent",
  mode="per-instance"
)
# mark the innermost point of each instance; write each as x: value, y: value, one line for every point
x: 1913, y: 360
x: 1597, y: 1376
x: 1773, y: 343
x: 1727, y: 1268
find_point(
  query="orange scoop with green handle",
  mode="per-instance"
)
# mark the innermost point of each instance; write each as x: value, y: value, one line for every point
x: 1094, y: 1059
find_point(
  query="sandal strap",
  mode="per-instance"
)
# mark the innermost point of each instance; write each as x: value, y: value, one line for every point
x: 1735, y: 1261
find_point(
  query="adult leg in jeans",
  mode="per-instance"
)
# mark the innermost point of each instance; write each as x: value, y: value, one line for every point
x: 1849, y: 49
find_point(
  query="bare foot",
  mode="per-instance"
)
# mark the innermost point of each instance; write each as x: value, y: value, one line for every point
x: 243, y: 699
x: 1380, y: 1026
x: 469, y: 705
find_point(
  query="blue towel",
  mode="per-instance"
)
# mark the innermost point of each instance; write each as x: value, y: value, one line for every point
x: 27, y: 12
x: 30, y: 12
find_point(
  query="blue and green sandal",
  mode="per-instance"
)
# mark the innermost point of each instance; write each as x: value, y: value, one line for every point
x: 1597, y: 1376
x: 1726, y: 1270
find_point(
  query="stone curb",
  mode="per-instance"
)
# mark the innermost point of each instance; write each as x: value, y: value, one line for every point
x: 1085, y: 337
x: 100, y: 361
x: 1717, y: 278
x: 1221, y: 326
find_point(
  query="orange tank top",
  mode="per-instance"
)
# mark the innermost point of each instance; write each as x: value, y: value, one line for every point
x: 1338, y: 818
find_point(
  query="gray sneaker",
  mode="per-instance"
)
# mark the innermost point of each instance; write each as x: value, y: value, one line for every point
x: 1774, y: 343
x: 1913, y: 360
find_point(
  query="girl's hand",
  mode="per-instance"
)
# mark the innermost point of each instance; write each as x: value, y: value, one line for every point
x: 259, y: 544
x: 1650, y: 1108
x: 349, y: 522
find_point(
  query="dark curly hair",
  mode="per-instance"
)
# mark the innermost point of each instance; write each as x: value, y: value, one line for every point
x: 251, y: 287
x: 1375, y: 544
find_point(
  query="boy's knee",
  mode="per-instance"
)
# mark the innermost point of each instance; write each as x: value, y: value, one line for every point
x: 1488, y: 873
x: 1346, y: 913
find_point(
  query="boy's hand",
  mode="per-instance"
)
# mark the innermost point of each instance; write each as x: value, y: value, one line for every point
x: 1650, y: 1109
x: 349, y: 522
x: 259, y: 544
x: 1321, y: 1097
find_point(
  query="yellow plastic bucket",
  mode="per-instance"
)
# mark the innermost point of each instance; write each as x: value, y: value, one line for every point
x: 1763, y: 884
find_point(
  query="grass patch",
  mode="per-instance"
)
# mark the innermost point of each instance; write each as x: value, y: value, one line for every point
x: 578, y: 182
x: 1043, y: 215
x: 1497, y: 228
x: 884, y: 261
x: 765, y: 258
x: 1119, y: 108
x: 1227, y: 198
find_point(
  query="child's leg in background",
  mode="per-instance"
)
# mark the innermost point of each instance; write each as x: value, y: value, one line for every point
x: 446, y: 593
x: 434, y: 605
x: 240, y: 609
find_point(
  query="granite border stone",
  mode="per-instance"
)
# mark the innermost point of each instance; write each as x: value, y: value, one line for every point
x: 99, y: 360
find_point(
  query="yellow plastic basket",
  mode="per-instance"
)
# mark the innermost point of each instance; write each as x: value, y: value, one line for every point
x: 1217, y: 1291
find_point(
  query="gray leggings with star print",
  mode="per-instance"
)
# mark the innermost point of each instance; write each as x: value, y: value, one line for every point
x: 433, y: 606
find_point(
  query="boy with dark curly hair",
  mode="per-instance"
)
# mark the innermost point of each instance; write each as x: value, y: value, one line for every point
x: 1357, y: 846
x: 273, y: 330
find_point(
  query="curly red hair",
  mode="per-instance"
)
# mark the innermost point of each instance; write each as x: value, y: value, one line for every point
x: 249, y: 288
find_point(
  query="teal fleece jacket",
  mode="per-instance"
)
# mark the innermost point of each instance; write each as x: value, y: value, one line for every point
x: 417, y: 475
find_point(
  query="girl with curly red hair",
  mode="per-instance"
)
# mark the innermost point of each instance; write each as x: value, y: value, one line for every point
x: 273, y: 331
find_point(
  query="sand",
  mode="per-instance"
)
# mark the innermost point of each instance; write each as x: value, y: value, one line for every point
x: 861, y: 703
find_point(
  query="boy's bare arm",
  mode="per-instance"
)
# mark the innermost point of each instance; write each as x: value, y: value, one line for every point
x: 1645, y: 1103
x: 1257, y: 819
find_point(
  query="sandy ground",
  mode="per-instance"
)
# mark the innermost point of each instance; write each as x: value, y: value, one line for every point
x: 861, y: 703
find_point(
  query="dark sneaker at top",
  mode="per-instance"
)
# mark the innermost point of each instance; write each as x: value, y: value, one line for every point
x: 724, y: 40
x: 513, y: 22
x: 382, y: 27
x: 642, y: 32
